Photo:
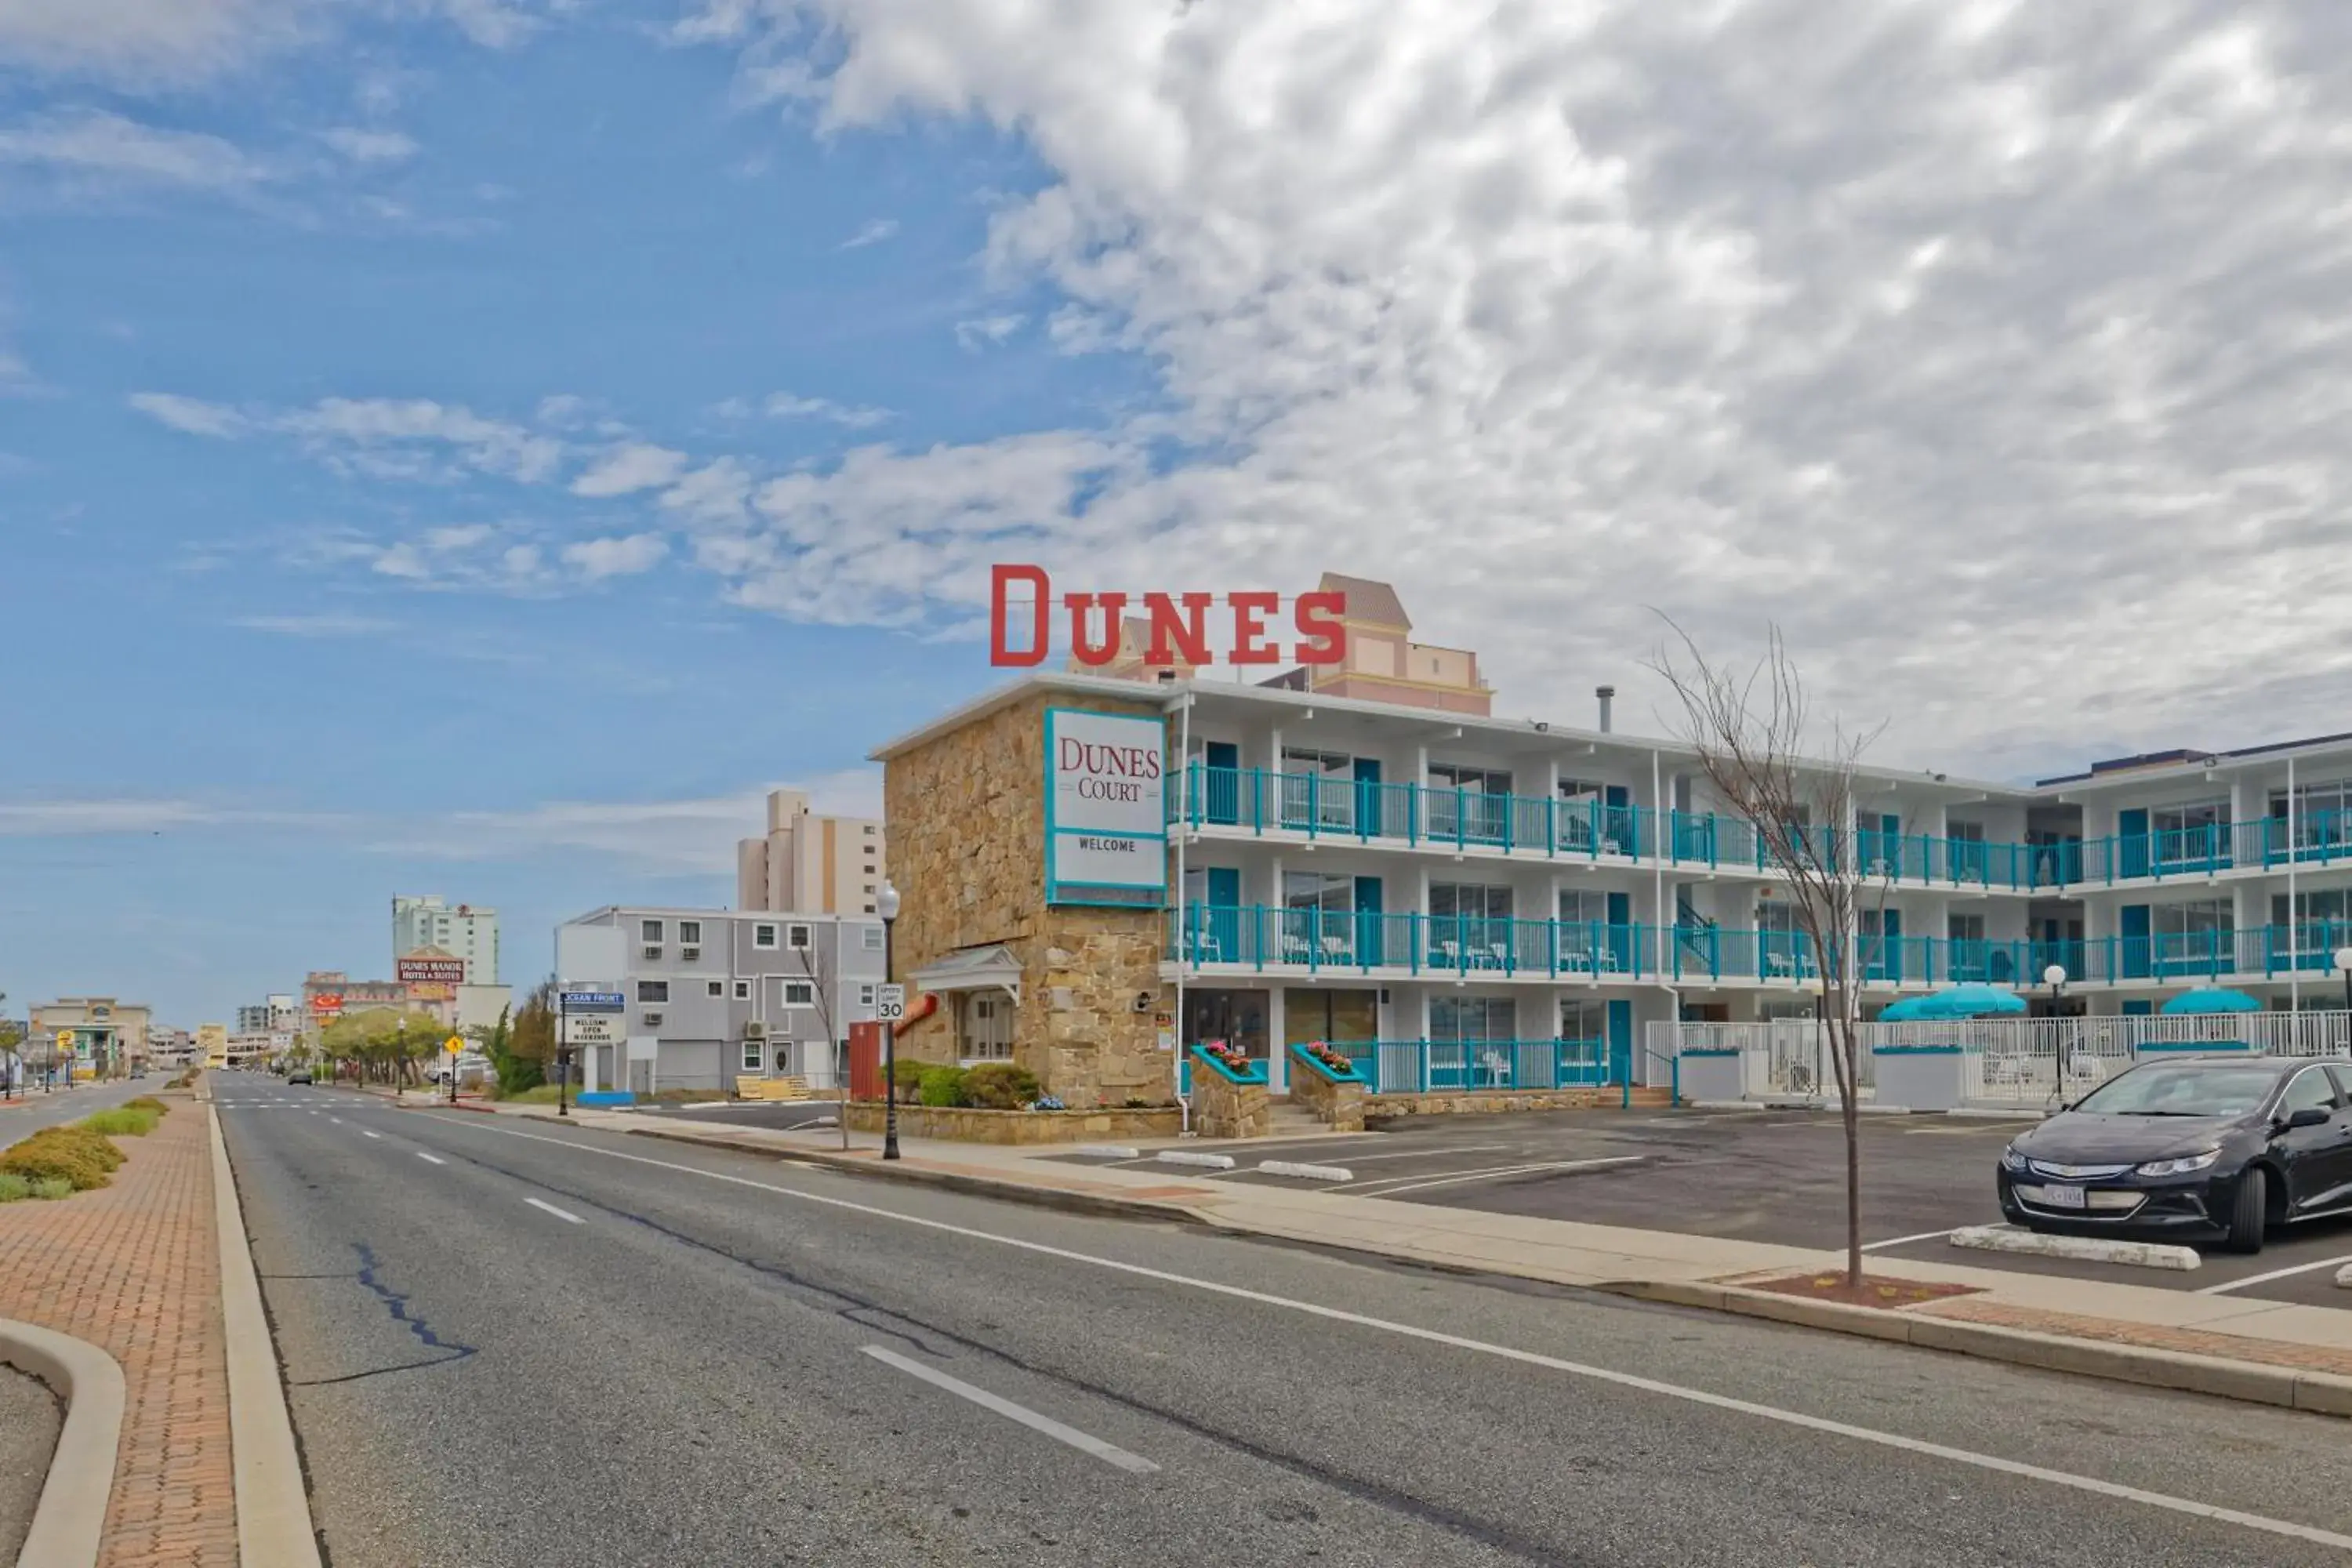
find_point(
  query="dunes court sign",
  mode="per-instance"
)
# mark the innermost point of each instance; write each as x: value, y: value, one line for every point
x: 1106, y: 809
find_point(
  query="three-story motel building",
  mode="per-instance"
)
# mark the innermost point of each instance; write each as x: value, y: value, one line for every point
x: 1467, y: 901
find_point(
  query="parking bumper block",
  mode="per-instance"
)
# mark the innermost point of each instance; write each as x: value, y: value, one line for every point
x: 2079, y: 1249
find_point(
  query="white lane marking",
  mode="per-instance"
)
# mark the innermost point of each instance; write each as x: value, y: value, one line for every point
x: 1390, y: 1186
x: 336, y: 1119
x: 1905, y: 1240
x: 1135, y: 1464
x: 432, y: 1158
x: 550, y: 1208
x: 2229, y: 1285
x: 365, y: 1134
x: 1797, y: 1418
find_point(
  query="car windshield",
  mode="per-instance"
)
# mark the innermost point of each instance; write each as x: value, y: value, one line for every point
x: 2225, y: 1089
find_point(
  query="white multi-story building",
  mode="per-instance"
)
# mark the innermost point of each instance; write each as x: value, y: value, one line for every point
x: 467, y: 932
x: 714, y: 996
x: 810, y: 861
x: 1364, y: 872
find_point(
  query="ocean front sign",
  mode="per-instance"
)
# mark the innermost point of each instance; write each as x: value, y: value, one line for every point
x: 1106, y: 809
x: 1178, y: 623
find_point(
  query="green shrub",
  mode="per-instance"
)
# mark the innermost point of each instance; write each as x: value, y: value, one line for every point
x: 147, y: 1102
x: 52, y: 1187
x: 123, y: 1121
x: 941, y: 1085
x: 14, y: 1188
x: 998, y: 1086
x: 74, y: 1155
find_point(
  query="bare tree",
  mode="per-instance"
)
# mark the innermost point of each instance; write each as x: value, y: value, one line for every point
x: 1793, y: 780
x: 819, y: 973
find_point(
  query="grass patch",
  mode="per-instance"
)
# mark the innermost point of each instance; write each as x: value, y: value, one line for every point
x: 124, y: 1122
x: 76, y: 1156
x: 536, y: 1094
x: 14, y: 1188
x: 49, y: 1189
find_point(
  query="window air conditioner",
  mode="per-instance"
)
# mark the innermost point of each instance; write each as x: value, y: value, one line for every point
x: 755, y: 1031
x: 653, y: 952
x: 653, y: 1020
x: 689, y: 953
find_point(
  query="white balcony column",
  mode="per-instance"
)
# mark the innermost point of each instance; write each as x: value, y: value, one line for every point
x: 1273, y: 761
x: 1276, y: 1081
x: 2242, y: 902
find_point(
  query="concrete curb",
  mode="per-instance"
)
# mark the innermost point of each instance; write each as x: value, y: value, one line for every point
x: 273, y: 1508
x: 2081, y: 1249
x: 70, y: 1520
x: 2320, y: 1392
x: 950, y: 1181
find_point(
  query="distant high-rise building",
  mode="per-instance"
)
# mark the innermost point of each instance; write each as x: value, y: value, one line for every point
x: 810, y: 862
x: 467, y: 932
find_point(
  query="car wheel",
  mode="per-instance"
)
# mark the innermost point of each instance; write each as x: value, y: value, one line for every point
x: 2250, y: 1213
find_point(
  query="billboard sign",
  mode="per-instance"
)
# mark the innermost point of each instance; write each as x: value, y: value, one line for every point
x: 434, y: 969
x: 327, y: 1004
x: 594, y: 1002
x: 1105, y: 808
x: 594, y: 1028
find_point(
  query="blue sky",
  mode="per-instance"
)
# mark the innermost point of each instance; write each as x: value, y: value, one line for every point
x: 476, y: 446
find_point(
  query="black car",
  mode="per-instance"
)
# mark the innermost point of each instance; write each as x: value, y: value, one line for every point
x: 2200, y: 1146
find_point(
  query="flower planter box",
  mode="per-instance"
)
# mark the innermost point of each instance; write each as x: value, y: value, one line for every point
x: 1255, y: 1075
x: 1351, y: 1073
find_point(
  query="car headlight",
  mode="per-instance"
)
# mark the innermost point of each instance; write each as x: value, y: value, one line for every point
x: 2011, y: 1158
x: 2179, y: 1167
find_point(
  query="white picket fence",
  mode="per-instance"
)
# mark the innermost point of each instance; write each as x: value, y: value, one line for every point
x: 2006, y: 1061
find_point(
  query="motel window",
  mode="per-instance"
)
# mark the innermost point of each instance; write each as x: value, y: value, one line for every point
x: 2321, y: 811
x: 1580, y: 1019
x: 653, y: 990
x: 763, y: 936
x: 742, y: 990
x: 987, y: 1029
x: 717, y: 988
x: 1583, y: 906
x: 2193, y: 833
x: 869, y: 830
x: 796, y: 936
x: 752, y: 1056
x: 650, y: 930
x: 873, y: 936
x: 690, y: 932
x: 799, y: 994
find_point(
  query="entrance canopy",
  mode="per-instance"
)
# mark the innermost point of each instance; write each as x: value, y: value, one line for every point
x: 974, y: 968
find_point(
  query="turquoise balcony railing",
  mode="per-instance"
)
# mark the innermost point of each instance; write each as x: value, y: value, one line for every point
x: 1331, y: 805
x: 1259, y: 936
x: 1421, y: 1067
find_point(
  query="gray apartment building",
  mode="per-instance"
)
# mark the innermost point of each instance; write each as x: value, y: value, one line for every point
x: 716, y: 995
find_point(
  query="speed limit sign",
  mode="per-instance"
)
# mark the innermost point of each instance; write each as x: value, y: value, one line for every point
x: 890, y: 1004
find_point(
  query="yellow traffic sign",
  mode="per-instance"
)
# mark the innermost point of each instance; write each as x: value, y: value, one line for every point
x: 453, y: 1043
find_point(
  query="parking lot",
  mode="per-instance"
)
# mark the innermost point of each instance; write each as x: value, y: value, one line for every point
x: 1772, y: 1176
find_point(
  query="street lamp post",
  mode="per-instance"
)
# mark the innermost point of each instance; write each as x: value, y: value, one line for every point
x: 562, y: 1049
x: 2055, y: 977
x: 886, y: 904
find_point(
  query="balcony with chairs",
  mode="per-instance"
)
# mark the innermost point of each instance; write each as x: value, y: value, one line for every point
x: 1259, y: 937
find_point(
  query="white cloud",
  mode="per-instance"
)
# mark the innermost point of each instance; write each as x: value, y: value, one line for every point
x: 694, y: 834
x: 1946, y: 335
x: 93, y: 147
x: 332, y: 624
x: 85, y: 818
x: 784, y: 405
x: 190, y: 415
x: 873, y: 232
x: 363, y: 145
x: 625, y: 470
x: 984, y: 331
x: 419, y: 439
x: 716, y: 493
x: 597, y: 559
x: 141, y: 43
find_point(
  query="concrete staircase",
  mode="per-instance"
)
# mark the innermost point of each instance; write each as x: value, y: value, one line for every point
x: 1289, y: 1119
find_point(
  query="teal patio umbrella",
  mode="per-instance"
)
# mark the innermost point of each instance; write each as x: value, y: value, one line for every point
x: 1953, y: 1002
x: 2213, y: 999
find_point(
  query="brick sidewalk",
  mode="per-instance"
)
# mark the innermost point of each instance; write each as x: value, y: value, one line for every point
x: 134, y: 1269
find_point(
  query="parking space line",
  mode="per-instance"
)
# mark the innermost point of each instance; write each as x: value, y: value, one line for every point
x: 1900, y: 1240
x: 431, y: 1159
x: 1413, y: 1185
x: 2229, y: 1285
x: 1426, y: 1153
x: 365, y: 1134
x: 557, y: 1213
x: 1134, y: 1464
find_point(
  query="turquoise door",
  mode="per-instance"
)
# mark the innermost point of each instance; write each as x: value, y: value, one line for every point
x: 1887, y: 962
x: 1621, y: 930
x: 2131, y: 851
x: 1221, y: 789
x: 1222, y: 926
x: 1617, y: 821
x: 2140, y: 1009
x: 2136, y: 956
x: 1367, y: 798
x: 1621, y: 1042
x: 1888, y: 849
x: 1370, y: 947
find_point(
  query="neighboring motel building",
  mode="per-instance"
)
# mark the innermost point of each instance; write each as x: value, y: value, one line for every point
x: 1508, y: 901
x: 97, y: 1035
x: 714, y: 996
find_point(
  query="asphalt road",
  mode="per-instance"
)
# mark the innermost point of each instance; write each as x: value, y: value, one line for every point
x: 510, y: 1342
x: 1776, y: 1176
x: 30, y: 1418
